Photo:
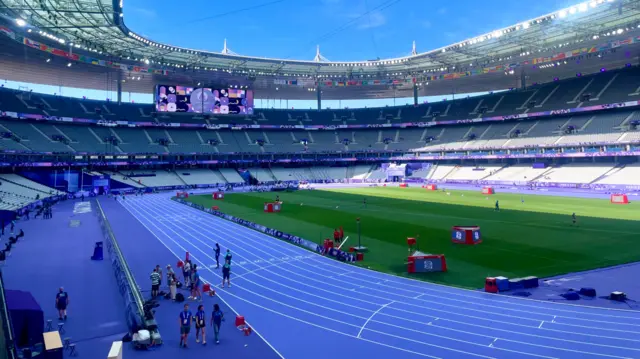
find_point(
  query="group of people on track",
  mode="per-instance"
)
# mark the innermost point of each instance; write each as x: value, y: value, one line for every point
x: 187, y: 318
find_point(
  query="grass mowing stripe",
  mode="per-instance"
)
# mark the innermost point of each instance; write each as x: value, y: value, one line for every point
x: 531, y: 238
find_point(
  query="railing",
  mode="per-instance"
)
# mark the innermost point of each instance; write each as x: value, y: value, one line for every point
x: 134, y: 303
x: 7, y: 349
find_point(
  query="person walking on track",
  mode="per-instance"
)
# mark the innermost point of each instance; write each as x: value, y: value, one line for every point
x: 185, y: 325
x: 216, y: 320
x: 201, y: 325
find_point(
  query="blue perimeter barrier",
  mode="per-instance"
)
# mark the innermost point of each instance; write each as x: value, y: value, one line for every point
x: 7, y: 348
x: 336, y: 253
x: 134, y: 303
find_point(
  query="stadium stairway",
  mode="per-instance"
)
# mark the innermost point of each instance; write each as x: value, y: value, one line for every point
x: 143, y: 251
x: 614, y: 170
x: 56, y: 252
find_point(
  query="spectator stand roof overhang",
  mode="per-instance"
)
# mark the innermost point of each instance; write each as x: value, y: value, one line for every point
x: 97, y: 28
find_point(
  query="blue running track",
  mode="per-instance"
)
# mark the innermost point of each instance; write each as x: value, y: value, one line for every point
x: 307, y: 306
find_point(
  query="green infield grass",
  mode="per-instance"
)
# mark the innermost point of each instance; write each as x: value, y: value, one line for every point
x: 531, y: 238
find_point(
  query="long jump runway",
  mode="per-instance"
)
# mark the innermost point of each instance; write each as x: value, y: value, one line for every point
x: 308, y: 306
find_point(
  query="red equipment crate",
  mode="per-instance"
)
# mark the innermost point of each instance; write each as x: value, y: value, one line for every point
x: 240, y: 321
x: 466, y: 235
x: 182, y: 195
x: 619, y: 199
x: 271, y: 207
x: 403, y: 185
x: 488, y: 190
x: 218, y: 195
x: 490, y: 285
x: 420, y: 262
x: 432, y: 187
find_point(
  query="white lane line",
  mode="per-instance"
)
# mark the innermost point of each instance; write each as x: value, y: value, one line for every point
x: 344, y: 313
x: 455, y: 313
x: 540, y: 326
x: 288, y: 316
x: 226, y: 224
x: 371, y: 317
x: 280, y: 243
x: 453, y: 291
x: 221, y: 298
x: 423, y: 333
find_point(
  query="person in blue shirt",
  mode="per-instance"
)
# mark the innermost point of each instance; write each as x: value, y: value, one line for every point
x: 195, y: 284
x: 217, y: 251
x: 216, y: 320
x: 497, y: 206
x: 185, y: 325
x: 201, y: 324
x: 62, y: 301
x: 226, y: 274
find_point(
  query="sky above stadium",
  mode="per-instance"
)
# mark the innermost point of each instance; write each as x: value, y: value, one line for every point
x: 346, y: 30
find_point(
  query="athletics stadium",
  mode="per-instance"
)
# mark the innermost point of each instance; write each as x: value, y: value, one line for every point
x: 482, y: 204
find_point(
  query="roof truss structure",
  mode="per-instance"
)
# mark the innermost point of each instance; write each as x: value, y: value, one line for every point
x: 97, y: 27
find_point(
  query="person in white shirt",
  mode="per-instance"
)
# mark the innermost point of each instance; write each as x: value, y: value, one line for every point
x: 187, y: 273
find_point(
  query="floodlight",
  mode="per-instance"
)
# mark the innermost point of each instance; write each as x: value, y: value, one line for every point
x: 562, y: 14
x: 21, y: 22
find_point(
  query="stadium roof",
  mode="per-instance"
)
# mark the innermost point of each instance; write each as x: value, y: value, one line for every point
x: 97, y: 28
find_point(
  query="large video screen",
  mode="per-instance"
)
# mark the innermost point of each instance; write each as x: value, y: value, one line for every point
x: 230, y: 101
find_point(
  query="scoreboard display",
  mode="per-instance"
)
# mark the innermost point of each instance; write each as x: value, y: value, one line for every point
x: 224, y: 101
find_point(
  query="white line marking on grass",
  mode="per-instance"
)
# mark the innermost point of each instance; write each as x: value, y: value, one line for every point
x: 343, y: 242
x: 371, y: 317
